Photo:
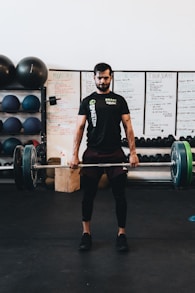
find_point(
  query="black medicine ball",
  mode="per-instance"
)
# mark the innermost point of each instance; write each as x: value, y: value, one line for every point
x: 9, y: 145
x: 7, y: 70
x: 31, y: 72
x: 32, y: 125
x: 12, y: 125
x: 10, y: 104
x: 31, y: 103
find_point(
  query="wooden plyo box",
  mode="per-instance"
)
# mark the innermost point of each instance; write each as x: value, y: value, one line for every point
x: 67, y: 180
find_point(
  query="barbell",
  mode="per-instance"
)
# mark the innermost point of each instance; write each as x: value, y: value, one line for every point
x: 25, y: 165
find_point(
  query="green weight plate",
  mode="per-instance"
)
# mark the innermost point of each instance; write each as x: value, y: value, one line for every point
x: 189, y: 161
x: 179, y: 172
x: 17, y: 164
x: 29, y: 174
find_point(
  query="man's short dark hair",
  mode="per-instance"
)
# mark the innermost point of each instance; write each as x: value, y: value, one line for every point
x: 102, y: 67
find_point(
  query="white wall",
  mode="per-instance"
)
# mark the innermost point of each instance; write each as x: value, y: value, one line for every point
x: 76, y: 34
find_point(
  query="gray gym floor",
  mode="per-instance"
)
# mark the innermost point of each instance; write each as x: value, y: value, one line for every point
x: 41, y: 230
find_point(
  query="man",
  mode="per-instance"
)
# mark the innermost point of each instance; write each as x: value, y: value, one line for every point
x: 104, y: 111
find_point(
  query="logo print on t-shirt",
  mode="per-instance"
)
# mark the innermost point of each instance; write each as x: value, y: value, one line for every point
x: 93, y: 112
x: 110, y: 101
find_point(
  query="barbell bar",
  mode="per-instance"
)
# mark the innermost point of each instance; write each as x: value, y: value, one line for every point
x: 104, y: 165
x: 100, y: 165
x: 6, y: 167
x: 25, y: 165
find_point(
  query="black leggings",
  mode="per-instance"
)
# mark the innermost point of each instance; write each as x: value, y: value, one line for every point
x: 90, y: 186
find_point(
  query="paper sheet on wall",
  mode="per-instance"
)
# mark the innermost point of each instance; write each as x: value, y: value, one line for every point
x: 186, y: 104
x: 160, y: 103
x: 61, y: 118
x: 131, y: 85
x: 87, y: 83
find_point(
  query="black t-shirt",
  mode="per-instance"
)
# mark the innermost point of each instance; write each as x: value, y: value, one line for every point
x: 103, y: 113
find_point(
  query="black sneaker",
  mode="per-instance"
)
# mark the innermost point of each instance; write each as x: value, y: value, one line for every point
x: 121, y: 243
x: 86, y: 242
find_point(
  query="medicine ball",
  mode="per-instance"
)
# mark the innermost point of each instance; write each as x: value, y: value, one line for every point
x: 12, y: 125
x: 10, y: 144
x: 10, y: 104
x: 32, y: 125
x: 7, y: 70
x: 31, y: 72
x: 31, y: 104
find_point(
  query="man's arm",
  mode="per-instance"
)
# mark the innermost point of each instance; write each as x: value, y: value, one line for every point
x: 78, y: 135
x: 126, y: 120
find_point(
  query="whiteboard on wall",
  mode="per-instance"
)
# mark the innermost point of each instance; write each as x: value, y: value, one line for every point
x: 186, y: 104
x: 61, y: 118
x: 87, y: 83
x: 160, y: 110
x: 131, y: 85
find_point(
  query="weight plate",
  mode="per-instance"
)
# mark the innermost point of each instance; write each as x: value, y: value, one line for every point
x: 189, y: 162
x: 179, y: 172
x: 29, y: 160
x: 17, y: 165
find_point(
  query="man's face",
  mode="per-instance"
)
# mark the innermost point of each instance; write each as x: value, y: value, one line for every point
x: 103, y: 80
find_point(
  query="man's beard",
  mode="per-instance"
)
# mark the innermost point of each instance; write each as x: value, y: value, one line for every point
x: 103, y: 88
